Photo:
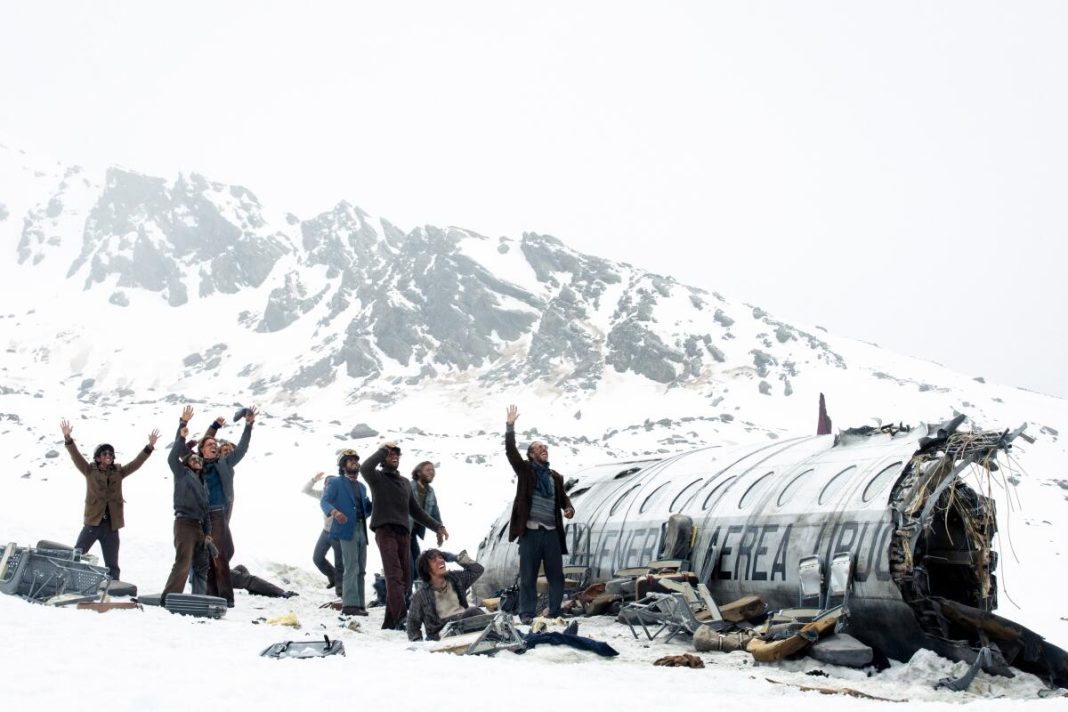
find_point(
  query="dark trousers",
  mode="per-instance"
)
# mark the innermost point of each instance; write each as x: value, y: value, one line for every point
x: 229, y: 551
x: 188, y: 534
x: 109, y: 544
x: 219, y: 582
x: 395, y: 547
x: 413, y: 575
x: 535, y: 547
x: 336, y: 572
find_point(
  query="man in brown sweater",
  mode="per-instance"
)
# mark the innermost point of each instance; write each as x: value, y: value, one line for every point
x: 103, y: 517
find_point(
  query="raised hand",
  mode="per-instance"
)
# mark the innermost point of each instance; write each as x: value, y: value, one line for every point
x: 387, y: 445
x: 187, y: 413
x: 513, y: 413
x: 64, y: 425
x: 250, y: 415
x: 319, y: 476
x: 152, y: 438
x: 219, y: 422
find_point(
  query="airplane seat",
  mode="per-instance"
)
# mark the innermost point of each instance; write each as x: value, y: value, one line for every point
x: 840, y: 580
x: 677, y: 542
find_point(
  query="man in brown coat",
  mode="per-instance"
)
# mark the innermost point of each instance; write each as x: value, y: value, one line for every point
x: 103, y: 495
x: 536, y: 521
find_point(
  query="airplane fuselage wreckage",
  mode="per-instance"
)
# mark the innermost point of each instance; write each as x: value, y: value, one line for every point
x: 769, y: 520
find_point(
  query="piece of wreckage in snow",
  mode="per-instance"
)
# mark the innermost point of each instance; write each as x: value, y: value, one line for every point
x: 887, y: 508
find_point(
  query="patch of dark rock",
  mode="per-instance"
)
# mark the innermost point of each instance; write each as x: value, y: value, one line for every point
x: 765, y: 388
x: 503, y: 249
x: 1013, y: 480
x: 192, y: 360
x: 119, y: 299
x: 362, y: 430
x: 51, y: 454
x: 26, y: 476
x: 577, y: 415
x: 475, y: 459
x: 759, y: 313
x: 721, y: 318
x: 979, y: 379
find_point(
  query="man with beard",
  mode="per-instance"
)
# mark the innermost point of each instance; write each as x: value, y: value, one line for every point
x: 394, y: 504
x: 218, y: 473
x: 345, y: 500
x: 536, y: 521
x: 103, y: 515
x: 192, y: 525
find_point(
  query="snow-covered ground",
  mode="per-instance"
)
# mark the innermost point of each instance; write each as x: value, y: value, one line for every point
x: 139, y: 659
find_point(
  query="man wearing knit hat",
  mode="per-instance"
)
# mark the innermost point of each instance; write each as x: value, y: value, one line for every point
x: 345, y: 500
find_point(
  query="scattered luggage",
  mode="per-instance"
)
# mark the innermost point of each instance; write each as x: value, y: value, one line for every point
x: 189, y: 604
x: 841, y: 649
x: 304, y: 649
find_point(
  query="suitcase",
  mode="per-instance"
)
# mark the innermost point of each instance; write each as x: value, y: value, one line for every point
x: 189, y: 604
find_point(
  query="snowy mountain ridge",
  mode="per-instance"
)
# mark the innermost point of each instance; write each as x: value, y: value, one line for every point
x: 350, y: 303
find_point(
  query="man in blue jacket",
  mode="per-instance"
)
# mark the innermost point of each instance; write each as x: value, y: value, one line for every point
x: 346, y: 501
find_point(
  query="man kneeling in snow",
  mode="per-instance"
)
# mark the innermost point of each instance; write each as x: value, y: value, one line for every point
x: 443, y: 596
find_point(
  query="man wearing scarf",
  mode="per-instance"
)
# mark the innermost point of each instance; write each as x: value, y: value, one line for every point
x: 536, y: 521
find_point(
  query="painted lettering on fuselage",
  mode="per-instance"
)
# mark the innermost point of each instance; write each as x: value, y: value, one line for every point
x: 766, y: 552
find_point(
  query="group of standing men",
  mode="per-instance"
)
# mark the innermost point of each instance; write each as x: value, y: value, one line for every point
x: 398, y: 512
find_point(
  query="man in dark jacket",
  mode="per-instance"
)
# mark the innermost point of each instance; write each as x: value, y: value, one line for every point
x: 394, y: 504
x: 103, y: 516
x: 192, y: 524
x: 345, y: 500
x: 444, y: 597
x: 536, y: 521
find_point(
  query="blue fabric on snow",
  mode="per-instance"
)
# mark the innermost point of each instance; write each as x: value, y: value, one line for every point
x: 574, y: 641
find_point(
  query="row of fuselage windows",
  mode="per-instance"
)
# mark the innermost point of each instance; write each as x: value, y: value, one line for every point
x: 692, y: 490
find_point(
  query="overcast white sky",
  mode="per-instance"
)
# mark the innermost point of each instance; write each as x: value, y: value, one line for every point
x: 892, y: 171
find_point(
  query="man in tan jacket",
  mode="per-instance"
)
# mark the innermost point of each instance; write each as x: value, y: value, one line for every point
x: 103, y: 495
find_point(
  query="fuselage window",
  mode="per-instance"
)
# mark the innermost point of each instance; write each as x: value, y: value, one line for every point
x: 791, y: 487
x: 622, y: 497
x: 717, y: 492
x: 578, y: 492
x: 626, y: 473
x: 832, y: 488
x: 652, y: 496
x: 754, y: 490
x: 503, y: 531
x: 880, y: 481
x: 680, y: 503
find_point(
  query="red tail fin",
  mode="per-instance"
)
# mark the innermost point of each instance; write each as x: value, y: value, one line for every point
x: 823, y: 427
